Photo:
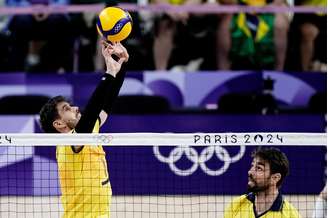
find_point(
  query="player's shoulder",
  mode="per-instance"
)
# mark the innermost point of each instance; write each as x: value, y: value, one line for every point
x: 236, y: 206
x: 240, y: 200
x: 289, y: 210
x: 65, y: 149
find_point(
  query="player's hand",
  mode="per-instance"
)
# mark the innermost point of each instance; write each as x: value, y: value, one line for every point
x: 112, y: 66
x: 120, y: 51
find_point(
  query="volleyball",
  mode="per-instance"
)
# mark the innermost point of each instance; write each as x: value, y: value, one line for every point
x: 114, y: 24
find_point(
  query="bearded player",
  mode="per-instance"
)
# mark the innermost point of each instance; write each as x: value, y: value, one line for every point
x: 84, y: 178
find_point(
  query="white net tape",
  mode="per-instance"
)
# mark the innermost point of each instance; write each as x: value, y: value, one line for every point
x: 168, y: 139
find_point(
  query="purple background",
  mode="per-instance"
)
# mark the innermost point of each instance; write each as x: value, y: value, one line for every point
x: 181, y: 89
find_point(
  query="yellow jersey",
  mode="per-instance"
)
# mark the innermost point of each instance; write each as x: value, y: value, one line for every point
x: 84, y: 181
x: 243, y: 207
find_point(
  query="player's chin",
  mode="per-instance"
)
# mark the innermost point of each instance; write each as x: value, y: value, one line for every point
x: 251, y: 187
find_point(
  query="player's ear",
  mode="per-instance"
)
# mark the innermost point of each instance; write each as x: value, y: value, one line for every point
x: 276, y: 177
x: 58, y: 124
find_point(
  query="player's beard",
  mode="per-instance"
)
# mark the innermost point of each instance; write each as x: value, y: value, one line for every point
x: 256, y: 187
x: 71, y: 123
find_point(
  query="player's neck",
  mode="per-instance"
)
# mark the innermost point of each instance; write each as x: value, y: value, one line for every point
x: 265, y: 199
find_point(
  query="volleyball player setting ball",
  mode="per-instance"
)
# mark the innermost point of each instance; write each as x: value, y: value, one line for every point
x: 83, y: 174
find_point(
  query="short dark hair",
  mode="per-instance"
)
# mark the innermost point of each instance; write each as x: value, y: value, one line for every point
x: 49, y: 113
x: 278, y: 161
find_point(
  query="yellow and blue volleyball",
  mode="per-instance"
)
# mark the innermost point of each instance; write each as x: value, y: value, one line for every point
x: 114, y: 24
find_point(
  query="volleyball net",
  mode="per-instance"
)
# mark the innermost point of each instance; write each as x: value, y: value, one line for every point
x: 158, y: 174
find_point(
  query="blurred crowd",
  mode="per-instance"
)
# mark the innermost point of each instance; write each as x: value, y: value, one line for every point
x: 64, y: 43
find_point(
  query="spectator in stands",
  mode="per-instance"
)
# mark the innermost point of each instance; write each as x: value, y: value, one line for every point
x: 88, y: 49
x: 34, y: 32
x: 268, y: 170
x: 4, y: 41
x: 168, y: 27
x: 3, y: 18
x: 252, y: 40
x: 311, y: 26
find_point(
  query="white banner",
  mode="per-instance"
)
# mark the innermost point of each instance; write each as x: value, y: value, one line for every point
x: 164, y: 139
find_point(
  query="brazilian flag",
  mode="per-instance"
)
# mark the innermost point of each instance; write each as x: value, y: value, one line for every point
x: 252, y: 39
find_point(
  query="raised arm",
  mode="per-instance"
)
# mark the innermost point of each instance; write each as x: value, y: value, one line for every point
x: 104, y: 91
x: 122, y: 53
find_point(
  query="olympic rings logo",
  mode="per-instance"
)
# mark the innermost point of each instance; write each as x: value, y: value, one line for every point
x: 199, y: 160
x: 103, y: 139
